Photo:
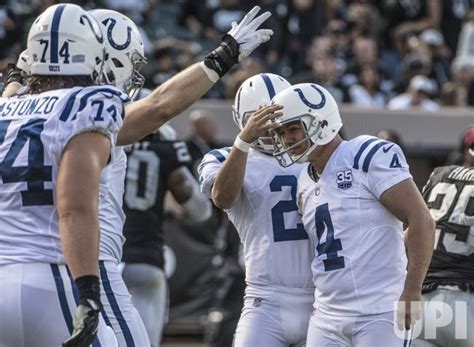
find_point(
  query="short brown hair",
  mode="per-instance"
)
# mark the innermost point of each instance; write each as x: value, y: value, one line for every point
x: 43, y: 83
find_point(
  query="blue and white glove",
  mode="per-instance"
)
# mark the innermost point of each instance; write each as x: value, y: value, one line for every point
x: 237, y: 44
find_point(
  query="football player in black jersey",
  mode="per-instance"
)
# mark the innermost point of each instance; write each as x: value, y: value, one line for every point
x: 156, y: 164
x: 449, y: 285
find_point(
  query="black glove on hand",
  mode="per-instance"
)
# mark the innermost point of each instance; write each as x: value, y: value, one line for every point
x: 86, y: 319
x: 223, y: 57
x: 13, y: 74
x: 239, y: 42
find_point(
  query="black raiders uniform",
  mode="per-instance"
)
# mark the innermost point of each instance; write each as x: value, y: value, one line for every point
x: 449, y: 194
x: 150, y: 162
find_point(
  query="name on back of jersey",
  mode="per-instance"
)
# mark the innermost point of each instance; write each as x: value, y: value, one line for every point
x: 37, y: 106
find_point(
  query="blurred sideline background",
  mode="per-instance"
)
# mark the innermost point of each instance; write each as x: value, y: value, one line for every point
x: 403, y: 66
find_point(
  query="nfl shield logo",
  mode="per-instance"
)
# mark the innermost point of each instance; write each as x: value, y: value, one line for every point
x: 317, y: 191
x: 344, y: 179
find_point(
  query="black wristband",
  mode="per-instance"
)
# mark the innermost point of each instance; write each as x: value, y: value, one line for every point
x: 13, y: 74
x: 89, y: 288
x: 223, y: 57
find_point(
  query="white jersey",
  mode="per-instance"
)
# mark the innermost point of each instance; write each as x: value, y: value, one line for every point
x: 111, y: 215
x: 359, y: 266
x: 276, y: 247
x: 34, y: 130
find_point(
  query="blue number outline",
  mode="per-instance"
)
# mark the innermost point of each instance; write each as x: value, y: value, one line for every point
x: 35, y: 173
x: 280, y: 233
x: 332, y: 245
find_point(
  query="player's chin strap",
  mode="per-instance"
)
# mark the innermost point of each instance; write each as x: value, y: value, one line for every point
x: 237, y: 44
x: 304, y: 157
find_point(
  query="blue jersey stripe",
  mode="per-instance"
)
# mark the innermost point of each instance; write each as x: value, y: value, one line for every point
x: 115, y: 307
x: 269, y: 84
x: 370, y: 155
x: 69, y: 105
x: 75, y: 292
x: 62, y: 296
x: 361, y: 150
x: 55, y: 33
x: 66, y: 113
x: 218, y: 155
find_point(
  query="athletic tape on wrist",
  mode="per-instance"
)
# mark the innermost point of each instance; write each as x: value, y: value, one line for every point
x: 241, y: 145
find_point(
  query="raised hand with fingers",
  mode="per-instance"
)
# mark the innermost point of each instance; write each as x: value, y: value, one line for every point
x: 246, y: 33
x: 238, y: 43
x: 260, y: 122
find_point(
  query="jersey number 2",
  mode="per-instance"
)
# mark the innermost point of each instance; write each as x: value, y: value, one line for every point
x: 280, y: 233
x: 35, y: 173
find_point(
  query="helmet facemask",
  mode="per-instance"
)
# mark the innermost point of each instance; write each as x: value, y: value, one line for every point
x: 282, y: 151
x: 134, y: 84
x: 125, y: 51
x: 263, y: 144
x: 254, y: 92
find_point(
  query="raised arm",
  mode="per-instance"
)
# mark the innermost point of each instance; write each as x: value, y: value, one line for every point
x: 177, y: 94
x: 406, y: 203
x: 229, y: 180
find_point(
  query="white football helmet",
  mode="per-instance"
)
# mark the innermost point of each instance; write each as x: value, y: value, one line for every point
x: 316, y: 110
x: 125, y: 50
x: 257, y: 91
x: 23, y: 63
x: 66, y: 40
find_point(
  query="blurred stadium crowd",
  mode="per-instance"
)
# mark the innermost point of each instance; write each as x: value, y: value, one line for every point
x: 397, y: 54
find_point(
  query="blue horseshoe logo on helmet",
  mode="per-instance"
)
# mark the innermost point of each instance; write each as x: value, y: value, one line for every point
x: 99, y: 38
x: 306, y: 101
x: 110, y: 28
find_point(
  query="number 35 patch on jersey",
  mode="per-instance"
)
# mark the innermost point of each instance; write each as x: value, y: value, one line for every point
x: 344, y: 179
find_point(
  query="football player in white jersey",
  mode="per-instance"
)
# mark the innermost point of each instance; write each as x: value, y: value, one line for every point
x: 57, y: 145
x: 124, y: 47
x: 144, y: 117
x: 126, y: 55
x: 259, y: 197
x: 354, y: 197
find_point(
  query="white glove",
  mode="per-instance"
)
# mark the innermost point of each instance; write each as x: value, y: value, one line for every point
x: 246, y: 33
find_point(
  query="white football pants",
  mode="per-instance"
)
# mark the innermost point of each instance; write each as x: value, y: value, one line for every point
x: 375, y: 330
x: 37, y: 306
x: 279, y: 321
x: 119, y: 311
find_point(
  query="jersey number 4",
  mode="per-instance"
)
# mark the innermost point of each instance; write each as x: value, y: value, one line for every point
x: 331, y: 246
x: 35, y: 173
